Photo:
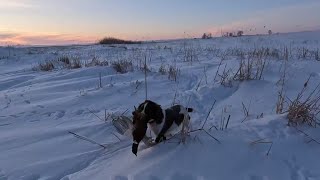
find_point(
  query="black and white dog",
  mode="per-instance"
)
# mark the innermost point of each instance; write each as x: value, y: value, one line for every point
x: 161, y: 122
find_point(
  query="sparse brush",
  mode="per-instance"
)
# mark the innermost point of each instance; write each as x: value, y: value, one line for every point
x: 46, y: 66
x: 303, y: 53
x: 122, y: 66
x: 316, y: 55
x: 162, y: 69
x: 305, y: 111
x: 96, y: 62
x: 226, y: 77
x: 64, y: 59
x: 281, y: 93
x: 190, y: 54
x: 251, y: 68
x: 173, y: 73
x: 75, y: 63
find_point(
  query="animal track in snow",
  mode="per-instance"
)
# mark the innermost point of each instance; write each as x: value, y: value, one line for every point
x: 79, y: 112
x: 59, y: 114
x: 299, y: 173
x: 254, y: 177
x: 40, y: 106
x: 2, y: 175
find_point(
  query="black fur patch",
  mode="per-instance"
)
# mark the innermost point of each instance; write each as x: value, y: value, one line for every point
x: 153, y: 113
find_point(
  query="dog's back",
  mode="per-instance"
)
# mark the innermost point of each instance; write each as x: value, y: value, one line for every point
x: 179, y: 115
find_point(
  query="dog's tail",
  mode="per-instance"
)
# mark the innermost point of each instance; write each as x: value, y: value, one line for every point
x: 189, y: 109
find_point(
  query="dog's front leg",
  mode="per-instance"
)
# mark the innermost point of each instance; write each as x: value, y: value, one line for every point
x: 165, y: 128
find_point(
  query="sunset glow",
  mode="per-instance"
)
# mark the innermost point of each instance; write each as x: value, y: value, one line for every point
x: 48, y: 22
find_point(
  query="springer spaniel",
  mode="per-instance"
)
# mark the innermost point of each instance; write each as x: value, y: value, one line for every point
x: 162, y: 122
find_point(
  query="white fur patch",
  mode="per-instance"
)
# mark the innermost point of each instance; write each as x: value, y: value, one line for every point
x: 174, y: 129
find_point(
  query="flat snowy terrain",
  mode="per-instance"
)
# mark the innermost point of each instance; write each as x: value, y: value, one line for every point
x: 39, y: 108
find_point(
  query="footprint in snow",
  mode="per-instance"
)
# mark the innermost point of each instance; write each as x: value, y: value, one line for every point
x: 36, y: 120
x: 2, y: 175
x: 6, y: 124
x: 297, y: 172
x: 60, y: 114
x: 40, y: 106
x: 184, y: 177
x: 255, y: 177
x: 79, y: 112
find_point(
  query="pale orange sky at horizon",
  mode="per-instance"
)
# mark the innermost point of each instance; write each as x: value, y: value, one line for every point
x: 55, y: 22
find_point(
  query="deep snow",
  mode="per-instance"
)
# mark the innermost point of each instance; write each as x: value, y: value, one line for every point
x: 37, y: 109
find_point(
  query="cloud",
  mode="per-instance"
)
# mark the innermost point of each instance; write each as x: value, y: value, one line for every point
x: 4, y: 35
x: 43, y: 39
x: 287, y: 19
x: 14, y: 4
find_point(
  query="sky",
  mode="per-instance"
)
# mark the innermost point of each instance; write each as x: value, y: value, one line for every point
x: 55, y: 22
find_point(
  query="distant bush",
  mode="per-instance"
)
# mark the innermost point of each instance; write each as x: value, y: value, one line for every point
x: 64, y: 59
x: 206, y: 36
x: 122, y: 66
x: 173, y: 73
x: 76, y: 63
x: 162, y: 69
x: 45, y: 66
x: 111, y: 40
x: 240, y: 33
x: 96, y: 62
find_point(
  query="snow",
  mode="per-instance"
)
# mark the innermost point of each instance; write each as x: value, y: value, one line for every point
x: 38, y: 109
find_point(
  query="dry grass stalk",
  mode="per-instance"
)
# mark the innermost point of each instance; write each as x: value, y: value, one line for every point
x: 145, y: 76
x: 162, y: 69
x: 76, y: 63
x: 173, y: 73
x: 116, y: 136
x: 281, y: 93
x: 46, y: 66
x: 307, y: 135
x: 251, y: 67
x: 305, y: 111
x: 245, y: 110
x: 217, y: 70
x: 95, y: 115
x: 202, y: 128
x: 226, y: 77
x: 122, y: 66
x: 209, y: 114
x: 87, y: 139
x: 96, y: 62
x: 262, y: 141
x: 100, y: 81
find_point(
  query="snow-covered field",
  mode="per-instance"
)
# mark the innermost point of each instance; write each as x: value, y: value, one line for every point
x: 39, y: 108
